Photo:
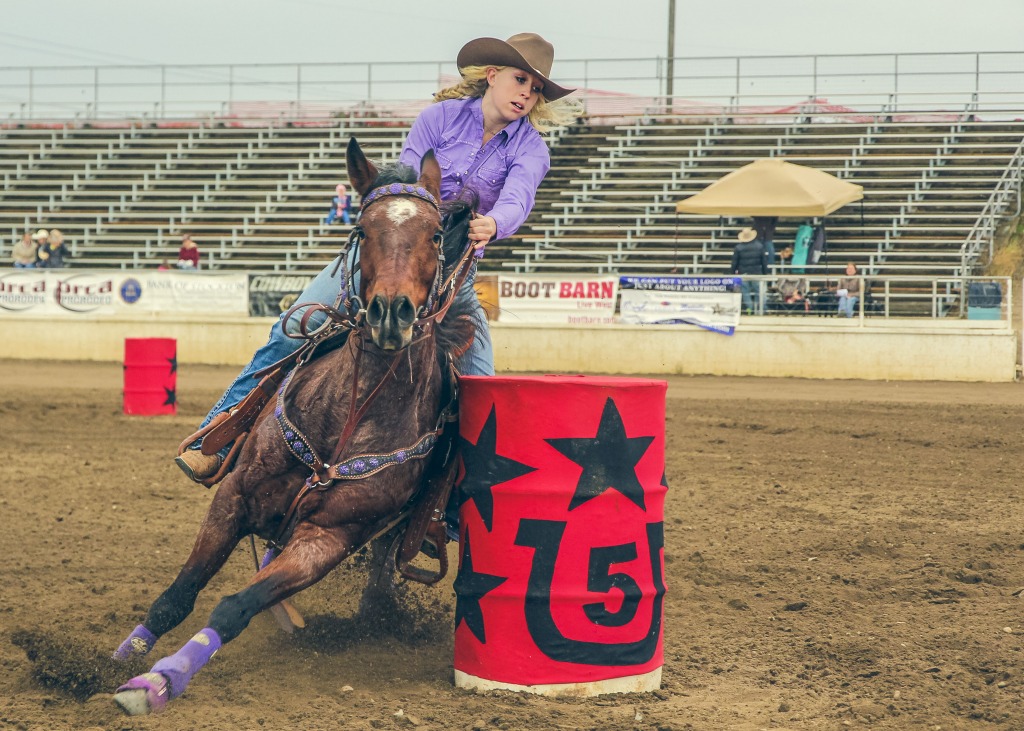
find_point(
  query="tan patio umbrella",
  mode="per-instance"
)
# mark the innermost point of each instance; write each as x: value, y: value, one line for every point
x: 773, y: 187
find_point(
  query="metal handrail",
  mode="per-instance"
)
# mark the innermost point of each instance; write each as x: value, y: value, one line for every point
x: 982, y: 234
x: 116, y: 91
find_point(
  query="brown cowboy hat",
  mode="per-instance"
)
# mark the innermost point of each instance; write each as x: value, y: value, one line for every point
x: 526, y: 51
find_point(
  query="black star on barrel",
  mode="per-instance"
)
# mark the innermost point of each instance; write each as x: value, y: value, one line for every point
x: 485, y: 468
x: 470, y: 587
x: 608, y: 459
x: 172, y: 396
x: 174, y: 364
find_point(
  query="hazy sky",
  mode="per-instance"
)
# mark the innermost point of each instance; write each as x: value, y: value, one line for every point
x: 76, y: 32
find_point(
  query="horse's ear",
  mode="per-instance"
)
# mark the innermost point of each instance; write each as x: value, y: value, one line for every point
x: 361, y: 172
x: 430, y: 174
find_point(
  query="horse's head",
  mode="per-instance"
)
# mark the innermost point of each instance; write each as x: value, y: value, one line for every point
x: 401, y: 231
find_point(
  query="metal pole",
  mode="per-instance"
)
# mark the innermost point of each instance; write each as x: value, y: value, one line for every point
x: 298, y: 88
x: 670, y: 67
x: 163, y: 91
x: 96, y: 91
x: 31, y: 91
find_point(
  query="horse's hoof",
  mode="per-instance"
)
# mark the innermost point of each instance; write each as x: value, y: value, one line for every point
x: 143, y: 694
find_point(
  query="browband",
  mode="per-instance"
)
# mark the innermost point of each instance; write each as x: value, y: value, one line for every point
x: 417, y: 191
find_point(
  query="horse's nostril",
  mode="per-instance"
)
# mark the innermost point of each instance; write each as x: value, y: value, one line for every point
x: 377, y: 311
x: 404, y: 311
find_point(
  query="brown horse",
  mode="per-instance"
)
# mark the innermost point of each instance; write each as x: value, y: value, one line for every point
x: 371, y: 405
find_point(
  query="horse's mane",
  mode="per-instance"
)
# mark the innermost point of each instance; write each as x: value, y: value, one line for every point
x: 456, y: 330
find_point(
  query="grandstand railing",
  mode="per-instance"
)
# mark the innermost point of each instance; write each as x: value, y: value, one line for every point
x: 992, y: 81
x: 892, y: 296
x: 1009, y: 190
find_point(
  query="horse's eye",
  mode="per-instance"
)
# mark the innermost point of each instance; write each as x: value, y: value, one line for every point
x: 438, y: 238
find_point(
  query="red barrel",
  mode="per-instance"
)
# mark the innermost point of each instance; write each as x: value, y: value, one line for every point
x: 150, y: 376
x: 561, y: 571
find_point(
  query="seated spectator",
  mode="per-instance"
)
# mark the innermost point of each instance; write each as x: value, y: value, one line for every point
x: 164, y: 266
x: 339, y: 205
x: 791, y: 288
x: 52, y: 253
x: 848, y: 290
x: 24, y: 252
x: 188, y: 254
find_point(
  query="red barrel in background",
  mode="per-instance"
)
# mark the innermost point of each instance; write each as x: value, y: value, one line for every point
x: 150, y: 376
x: 561, y: 571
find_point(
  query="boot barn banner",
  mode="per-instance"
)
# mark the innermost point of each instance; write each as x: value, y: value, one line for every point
x: 272, y: 294
x: 71, y: 293
x: 572, y: 300
x: 712, y: 303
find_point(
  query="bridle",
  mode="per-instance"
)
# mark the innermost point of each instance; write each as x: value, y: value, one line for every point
x: 349, y: 313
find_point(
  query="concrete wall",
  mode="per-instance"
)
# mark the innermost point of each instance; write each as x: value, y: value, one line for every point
x: 954, y: 350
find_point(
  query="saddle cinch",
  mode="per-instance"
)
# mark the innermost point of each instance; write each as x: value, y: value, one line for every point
x: 425, y: 528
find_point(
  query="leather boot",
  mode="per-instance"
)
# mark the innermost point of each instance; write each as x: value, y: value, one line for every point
x: 198, y: 466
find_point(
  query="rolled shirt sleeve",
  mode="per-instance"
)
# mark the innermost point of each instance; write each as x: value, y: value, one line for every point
x: 525, y: 173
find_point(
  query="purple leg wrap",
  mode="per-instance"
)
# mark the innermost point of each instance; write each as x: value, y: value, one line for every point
x: 186, y: 662
x: 139, y: 642
x: 269, y: 556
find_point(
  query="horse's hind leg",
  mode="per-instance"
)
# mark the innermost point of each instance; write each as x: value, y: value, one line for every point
x: 220, y: 532
x: 310, y: 554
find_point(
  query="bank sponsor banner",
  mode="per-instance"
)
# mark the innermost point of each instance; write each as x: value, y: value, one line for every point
x: 272, y: 294
x: 574, y: 300
x: 712, y: 303
x: 75, y: 292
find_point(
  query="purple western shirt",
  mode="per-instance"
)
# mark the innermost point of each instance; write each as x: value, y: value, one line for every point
x: 505, y: 173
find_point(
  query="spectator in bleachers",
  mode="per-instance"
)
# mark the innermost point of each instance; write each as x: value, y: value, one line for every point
x: 39, y: 238
x: 188, y: 254
x: 24, y: 252
x: 848, y: 290
x: 765, y: 228
x: 749, y: 258
x: 339, y: 205
x: 52, y: 253
x: 486, y: 133
x: 792, y: 289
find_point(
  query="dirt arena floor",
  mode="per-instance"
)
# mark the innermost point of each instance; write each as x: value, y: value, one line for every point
x: 838, y: 554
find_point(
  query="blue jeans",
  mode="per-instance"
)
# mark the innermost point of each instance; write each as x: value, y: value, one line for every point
x: 19, y: 265
x: 478, y: 360
x: 749, y: 294
x: 847, y: 305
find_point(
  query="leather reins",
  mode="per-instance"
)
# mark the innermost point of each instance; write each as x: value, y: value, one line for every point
x: 352, y: 317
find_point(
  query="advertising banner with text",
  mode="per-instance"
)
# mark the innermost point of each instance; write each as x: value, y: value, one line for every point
x: 571, y: 300
x: 272, y: 294
x: 712, y: 303
x: 71, y: 292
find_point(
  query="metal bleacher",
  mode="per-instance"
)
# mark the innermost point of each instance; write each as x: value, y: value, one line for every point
x: 255, y: 195
x: 926, y: 187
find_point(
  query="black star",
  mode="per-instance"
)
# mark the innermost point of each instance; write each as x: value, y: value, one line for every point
x: 608, y: 460
x: 172, y: 396
x: 485, y: 468
x: 174, y: 364
x: 470, y: 587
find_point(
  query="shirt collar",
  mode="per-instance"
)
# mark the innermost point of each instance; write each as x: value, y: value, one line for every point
x: 476, y: 109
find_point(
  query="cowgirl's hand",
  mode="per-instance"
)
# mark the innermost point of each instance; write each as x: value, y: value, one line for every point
x: 481, y: 230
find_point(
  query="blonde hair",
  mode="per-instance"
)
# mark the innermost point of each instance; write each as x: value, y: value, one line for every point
x: 544, y: 116
x: 56, y: 237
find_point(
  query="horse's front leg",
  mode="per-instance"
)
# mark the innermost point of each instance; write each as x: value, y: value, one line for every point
x: 218, y: 535
x: 310, y: 554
